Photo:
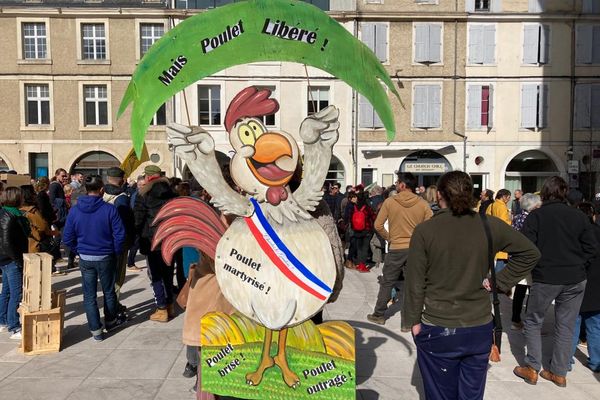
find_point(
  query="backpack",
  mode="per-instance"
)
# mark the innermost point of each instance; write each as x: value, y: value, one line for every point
x: 359, y: 219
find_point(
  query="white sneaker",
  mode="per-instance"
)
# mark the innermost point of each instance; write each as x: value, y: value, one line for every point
x: 16, y: 336
x: 3, y: 328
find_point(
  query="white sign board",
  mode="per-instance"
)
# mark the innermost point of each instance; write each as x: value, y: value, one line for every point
x: 573, y: 166
x: 424, y: 168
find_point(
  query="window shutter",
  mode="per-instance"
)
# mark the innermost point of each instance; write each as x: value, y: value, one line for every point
x: 365, y: 116
x: 584, y: 44
x: 491, y: 107
x: 583, y: 99
x: 531, y: 38
x: 435, y: 43
x: 376, y: 120
x: 474, y: 107
x: 421, y: 41
x: 595, y: 103
x: 489, y: 44
x: 543, y: 106
x: 596, y: 44
x: 381, y: 42
x: 528, y: 106
x: 476, y: 44
x: 367, y: 35
x: 496, y: 6
x: 420, y: 107
x: 544, y: 44
x: 470, y: 5
x: 588, y: 6
x: 536, y: 6
x: 435, y: 106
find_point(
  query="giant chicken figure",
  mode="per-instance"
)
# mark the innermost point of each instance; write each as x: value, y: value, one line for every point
x: 274, y: 263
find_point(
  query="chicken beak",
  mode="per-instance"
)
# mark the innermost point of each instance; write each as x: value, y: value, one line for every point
x: 270, y: 147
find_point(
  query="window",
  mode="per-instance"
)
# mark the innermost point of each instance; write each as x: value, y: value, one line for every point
x: 480, y: 106
x: 93, y: 42
x: 37, y: 110
x: 591, y: 7
x: 318, y: 99
x: 268, y: 120
x: 95, y: 105
x: 482, y: 44
x: 427, y: 106
x: 482, y: 5
x: 209, y: 104
x: 367, y: 116
x: 534, y: 106
x: 375, y: 36
x: 34, y: 40
x: 536, y: 6
x: 160, y: 118
x: 536, y: 44
x: 587, y: 98
x: 428, y: 43
x: 588, y: 44
x: 149, y: 34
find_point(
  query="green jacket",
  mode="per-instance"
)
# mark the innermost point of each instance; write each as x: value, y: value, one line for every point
x: 447, y: 263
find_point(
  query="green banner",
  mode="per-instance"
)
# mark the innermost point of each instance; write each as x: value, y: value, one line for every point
x: 246, y: 32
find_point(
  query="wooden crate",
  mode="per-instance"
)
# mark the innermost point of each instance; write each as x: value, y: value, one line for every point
x: 42, y: 330
x: 37, y: 282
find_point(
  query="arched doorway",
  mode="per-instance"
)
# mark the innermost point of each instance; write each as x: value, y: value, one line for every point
x: 336, y: 172
x: 94, y: 163
x: 426, y: 165
x: 528, y: 171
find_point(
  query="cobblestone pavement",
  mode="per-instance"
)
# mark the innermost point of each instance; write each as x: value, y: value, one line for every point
x: 145, y: 359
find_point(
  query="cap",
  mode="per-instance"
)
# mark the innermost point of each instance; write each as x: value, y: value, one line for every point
x: 115, y: 172
x: 152, y: 170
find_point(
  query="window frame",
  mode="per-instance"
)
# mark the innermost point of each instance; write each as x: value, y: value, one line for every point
x: 416, y: 84
x: 82, y: 101
x: 482, y: 10
x: 20, y: 50
x: 138, y: 34
x: 275, y: 90
x: 79, y: 24
x: 591, y: 85
x: 414, y: 44
x: 23, y: 106
x: 544, y: 87
x: 492, y: 87
x: 537, y: 63
x: 483, y: 63
x: 210, y: 99
x: 387, y: 39
x: 308, y: 99
x: 578, y: 37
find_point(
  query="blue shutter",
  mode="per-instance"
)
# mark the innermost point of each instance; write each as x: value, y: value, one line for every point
x: 496, y: 6
x: 434, y: 101
x: 544, y: 44
x: 596, y: 44
x: 588, y: 6
x: 381, y: 42
x: 376, y: 120
x: 595, y: 105
x: 489, y: 44
x: 528, y: 106
x: 365, y: 112
x: 584, y: 35
x: 420, y: 107
x: 421, y: 43
x: 470, y: 6
x: 367, y: 34
x: 474, y: 106
x: 435, y: 43
x: 583, y: 101
x: 542, y: 106
x: 531, y: 37
x: 476, y: 44
x: 536, y: 6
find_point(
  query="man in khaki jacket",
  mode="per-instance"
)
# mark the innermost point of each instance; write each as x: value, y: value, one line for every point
x: 404, y: 212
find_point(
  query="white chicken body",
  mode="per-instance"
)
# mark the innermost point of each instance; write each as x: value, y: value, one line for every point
x: 257, y: 287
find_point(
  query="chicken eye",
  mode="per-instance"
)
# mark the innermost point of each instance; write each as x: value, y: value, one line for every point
x: 256, y: 128
x: 246, y: 135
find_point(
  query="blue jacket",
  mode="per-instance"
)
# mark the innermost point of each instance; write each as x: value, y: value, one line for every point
x: 94, y: 228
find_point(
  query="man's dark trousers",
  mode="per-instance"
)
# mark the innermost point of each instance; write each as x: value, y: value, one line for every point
x: 453, y: 361
x: 393, y: 265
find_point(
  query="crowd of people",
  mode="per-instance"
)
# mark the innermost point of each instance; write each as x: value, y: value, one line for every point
x: 437, y: 239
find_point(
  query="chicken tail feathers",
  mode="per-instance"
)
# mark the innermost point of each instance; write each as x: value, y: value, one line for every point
x: 187, y: 222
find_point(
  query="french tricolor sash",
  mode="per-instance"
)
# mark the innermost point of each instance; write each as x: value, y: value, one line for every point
x: 282, y: 257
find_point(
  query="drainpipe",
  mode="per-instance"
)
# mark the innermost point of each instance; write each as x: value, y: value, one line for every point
x: 355, y: 120
x: 455, y: 110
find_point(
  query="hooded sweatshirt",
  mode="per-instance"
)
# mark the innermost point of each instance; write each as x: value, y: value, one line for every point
x: 94, y: 228
x: 403, y: 212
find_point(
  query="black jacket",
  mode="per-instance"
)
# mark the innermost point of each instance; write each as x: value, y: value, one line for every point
x: 147, y: 205
x: 13, y: 238
x: 591, y: 299
x: 565, y: 238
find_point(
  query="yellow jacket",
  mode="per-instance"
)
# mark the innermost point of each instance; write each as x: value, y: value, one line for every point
x: 499, y: 210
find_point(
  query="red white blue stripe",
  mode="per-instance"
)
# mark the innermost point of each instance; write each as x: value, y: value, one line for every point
x: 282, y: 257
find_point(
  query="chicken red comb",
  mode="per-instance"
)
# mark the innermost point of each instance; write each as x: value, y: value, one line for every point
x: 250, y: 102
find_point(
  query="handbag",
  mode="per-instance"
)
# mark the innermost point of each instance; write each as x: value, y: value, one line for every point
x: 497, y: 336
x: 182, y: 297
